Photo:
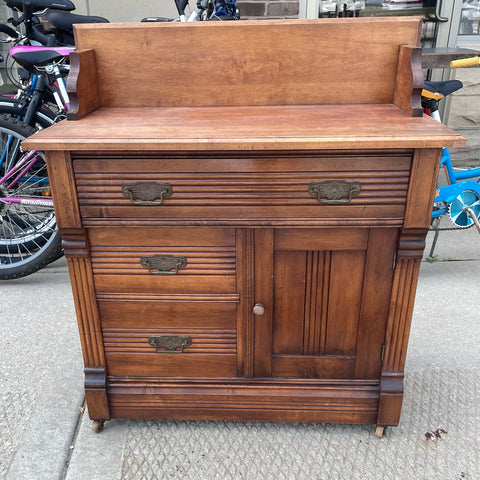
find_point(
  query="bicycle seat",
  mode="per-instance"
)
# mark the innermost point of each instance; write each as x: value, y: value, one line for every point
x: 65, y: 51
x: 441, y: 88
x: 38, y: 58
x: 66, y: 20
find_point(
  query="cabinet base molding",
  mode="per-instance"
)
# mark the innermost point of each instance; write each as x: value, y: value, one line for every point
x: 289, y: 401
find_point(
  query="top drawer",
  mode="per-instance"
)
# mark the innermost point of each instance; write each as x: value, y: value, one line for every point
x: 366, y: 187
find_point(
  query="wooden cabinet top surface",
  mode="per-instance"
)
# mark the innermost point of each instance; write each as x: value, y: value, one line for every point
x: 289, y: 127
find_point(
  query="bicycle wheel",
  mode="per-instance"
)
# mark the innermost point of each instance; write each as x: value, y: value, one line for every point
x: 29, y: 238
x: 44, y: 117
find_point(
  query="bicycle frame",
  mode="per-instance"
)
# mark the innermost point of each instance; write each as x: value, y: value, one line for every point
x: 28, y: 160
x: 456, y: 176
x: 39, y: 84
x: 37, y: 89
x: 14, y: 175
x: 458, y: 183
x: 460, y: 198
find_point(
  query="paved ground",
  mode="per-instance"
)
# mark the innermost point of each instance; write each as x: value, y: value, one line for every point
x: 44, y: 434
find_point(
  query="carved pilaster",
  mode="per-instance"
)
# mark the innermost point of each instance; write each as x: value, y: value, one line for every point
x: 76, y: 250
x: 402, y: 300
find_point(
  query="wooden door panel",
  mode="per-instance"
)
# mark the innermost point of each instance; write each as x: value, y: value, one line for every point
x: 321, y: 239
x: 318, y: 287
x: 289, y: 282
x: 344, y: 301
x: 309, y: 366
x: 317, y: 301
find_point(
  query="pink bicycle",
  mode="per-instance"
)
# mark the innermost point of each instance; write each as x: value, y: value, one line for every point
x: 29, y: 238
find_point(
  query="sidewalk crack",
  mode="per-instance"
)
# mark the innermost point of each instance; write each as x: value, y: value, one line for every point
x: 73, y: 440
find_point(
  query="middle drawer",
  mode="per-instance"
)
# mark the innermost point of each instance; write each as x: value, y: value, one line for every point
x: 163, y: 260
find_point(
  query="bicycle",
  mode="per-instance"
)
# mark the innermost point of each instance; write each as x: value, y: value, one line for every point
x: 459, y: 199
x: 29, y: 238
x: 58, y: 14
x: 206, y: 10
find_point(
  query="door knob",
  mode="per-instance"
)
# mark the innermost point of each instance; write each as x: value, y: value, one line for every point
x: 258, y: 309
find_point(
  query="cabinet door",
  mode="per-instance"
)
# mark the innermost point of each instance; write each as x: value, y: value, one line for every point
x: 325, y: 295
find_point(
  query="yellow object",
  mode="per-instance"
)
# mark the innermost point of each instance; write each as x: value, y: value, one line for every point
x: 434, y: 95
x: 465, y: 62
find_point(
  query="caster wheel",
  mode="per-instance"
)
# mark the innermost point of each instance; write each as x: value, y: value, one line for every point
x: 97, y: 425
x: 379, y: 431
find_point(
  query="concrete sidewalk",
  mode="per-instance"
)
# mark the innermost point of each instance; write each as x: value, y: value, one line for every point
x: 46, y: 435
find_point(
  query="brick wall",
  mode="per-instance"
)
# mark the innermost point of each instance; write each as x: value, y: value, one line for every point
x: 268, y: 8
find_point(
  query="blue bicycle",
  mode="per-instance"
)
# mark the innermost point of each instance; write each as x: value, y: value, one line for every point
x: 459, y: 199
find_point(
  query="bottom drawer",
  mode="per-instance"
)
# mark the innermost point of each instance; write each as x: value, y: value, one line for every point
x: 169, y: 338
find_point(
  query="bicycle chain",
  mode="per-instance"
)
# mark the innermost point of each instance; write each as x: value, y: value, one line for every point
x: 445, y: 229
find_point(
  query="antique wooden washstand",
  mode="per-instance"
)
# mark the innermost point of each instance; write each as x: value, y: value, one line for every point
x: 244, y: 229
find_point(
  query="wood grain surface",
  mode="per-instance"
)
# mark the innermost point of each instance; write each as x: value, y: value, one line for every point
x: 261, y: 62
x: 246, y: 128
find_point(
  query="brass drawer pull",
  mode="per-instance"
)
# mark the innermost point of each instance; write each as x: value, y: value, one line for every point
x: 169, y: 343
x: 147, y: 193
x: 163, y: 264
x: 334, y: 192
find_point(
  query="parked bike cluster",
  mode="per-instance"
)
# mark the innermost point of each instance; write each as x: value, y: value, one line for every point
x: 38, y: 64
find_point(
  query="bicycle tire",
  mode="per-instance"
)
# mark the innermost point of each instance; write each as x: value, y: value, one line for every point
x: 44, y: 117
x: 29, y: 237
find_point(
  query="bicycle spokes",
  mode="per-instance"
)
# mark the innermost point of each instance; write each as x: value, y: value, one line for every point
x: 27, y: 218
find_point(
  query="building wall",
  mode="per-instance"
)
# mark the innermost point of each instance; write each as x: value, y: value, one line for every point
x: 268, y: 8
x: 126, y: 10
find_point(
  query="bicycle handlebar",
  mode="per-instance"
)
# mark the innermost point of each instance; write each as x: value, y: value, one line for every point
x: 465, y: 62
x: 33, y: 26
x: 9, y: 31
